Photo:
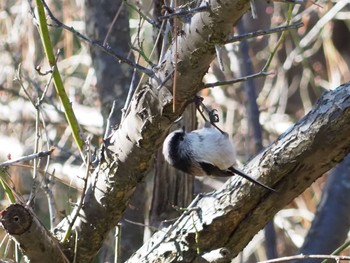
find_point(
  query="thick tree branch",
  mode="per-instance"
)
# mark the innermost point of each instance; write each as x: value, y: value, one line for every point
x: 231, y: 216
x: 127, y: 154
x: 36, y: 241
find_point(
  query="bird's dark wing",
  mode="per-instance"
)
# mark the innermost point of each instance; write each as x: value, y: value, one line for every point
x: 213, y: 170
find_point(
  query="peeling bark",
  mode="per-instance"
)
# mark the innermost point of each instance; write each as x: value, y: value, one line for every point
x: 230, y: 217
x: 127, y: 154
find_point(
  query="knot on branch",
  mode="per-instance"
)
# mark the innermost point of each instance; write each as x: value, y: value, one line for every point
x: 16, y: 219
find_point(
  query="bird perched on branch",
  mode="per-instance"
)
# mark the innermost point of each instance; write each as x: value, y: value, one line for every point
x: 205, y: 151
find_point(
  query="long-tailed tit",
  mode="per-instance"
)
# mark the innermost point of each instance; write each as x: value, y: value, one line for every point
x: 206, y: 151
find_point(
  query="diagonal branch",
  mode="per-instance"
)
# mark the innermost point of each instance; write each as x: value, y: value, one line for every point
x: 231, y: 216
x: 127, y: 154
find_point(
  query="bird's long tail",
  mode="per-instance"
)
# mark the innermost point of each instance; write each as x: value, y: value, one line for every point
x: 249, y: 178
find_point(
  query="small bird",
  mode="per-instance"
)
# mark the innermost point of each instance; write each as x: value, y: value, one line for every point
x: 205, y: 151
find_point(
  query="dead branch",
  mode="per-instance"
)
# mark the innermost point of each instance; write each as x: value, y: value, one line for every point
x: 36, y: 242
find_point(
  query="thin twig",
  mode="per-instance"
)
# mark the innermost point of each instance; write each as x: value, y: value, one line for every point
x: 339, y: 250
x: 75, y: 246
x: 291, y: 1
x: 81, y: 202
x: 18, y: 78
x: 175, y: 59
x: 38, y: 69
x: 106, y: 49
x: 185, y: 12
x: 27, y: 158
x: 303, y: 257
x: 108, y: 122
x: 189, y: 209
x: 48, y: 178
x: 112, y: 24
x: 165, y: 41
x: 50, y: 200
x: 117, y: 246
x: 143, y: 55
x: 149, y: 20
x: 142, y: 225
x: 131, y: 92
x: 280, y: 40
x: 228, y: 82
x: 257, y: 33
x: 50, y: 79
x: 36, y: 150
x: 218, y: 50
x: 166, y: 79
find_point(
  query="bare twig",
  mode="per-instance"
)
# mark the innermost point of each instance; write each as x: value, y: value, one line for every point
x: 142, y: 224
x: 175, y: 58
x: 106, y: 49
x: 108, y: 123
x: 131, y: 92
x: 189, y: 209
x: 166, y: 79
x: 38, y: 69
x: 185, y: 12
x: 218, y: 50
x: 149, y: 20
x: 87, y: 163
x: 257, y: 33
x: 19, y: 79
x: 302, y: 257
x: 50, y: 79
x: 228, y: 82
x: 117, y: 246
x: 47, y: 185
x: 27, y: 157
x: 280, y: 40
x: 143, y: 55
x: 291, y: 1
x: 338, y: 250
x: 112, y: 24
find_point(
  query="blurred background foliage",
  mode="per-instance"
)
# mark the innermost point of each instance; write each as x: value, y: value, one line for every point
x: 312, y: 59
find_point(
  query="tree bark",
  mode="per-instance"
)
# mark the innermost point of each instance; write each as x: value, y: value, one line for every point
x: 35, y: 240
x: 126, y: 156
x: 231, y: 216
x: 113, y: 83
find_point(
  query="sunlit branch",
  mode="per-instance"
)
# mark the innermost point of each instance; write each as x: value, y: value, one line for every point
x: 228, y: 82
x: 106, y: 49
x: 257, y: 33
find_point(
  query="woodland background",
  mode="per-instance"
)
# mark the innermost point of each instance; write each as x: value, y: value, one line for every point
x: 311, y: 59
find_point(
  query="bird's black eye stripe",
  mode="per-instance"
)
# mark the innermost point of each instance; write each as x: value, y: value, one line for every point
x: 180, y: 158
x: 174, y: 146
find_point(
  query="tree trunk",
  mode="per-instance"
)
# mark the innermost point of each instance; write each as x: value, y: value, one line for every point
x: 332, y: 220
